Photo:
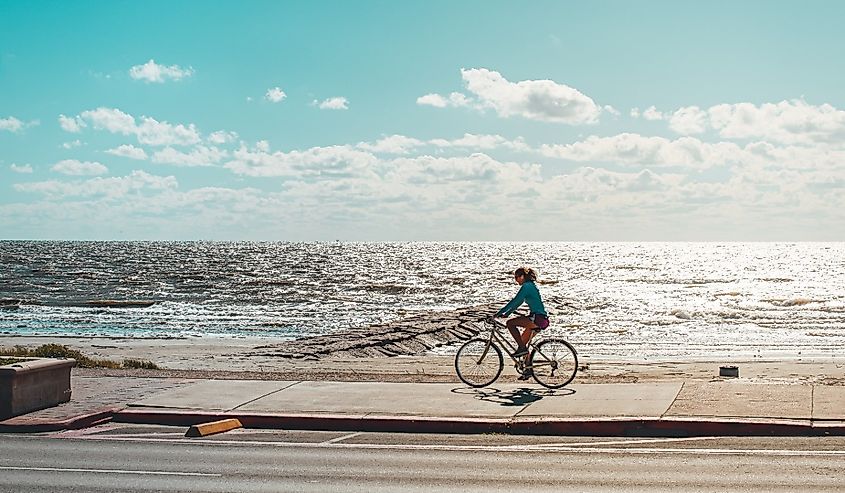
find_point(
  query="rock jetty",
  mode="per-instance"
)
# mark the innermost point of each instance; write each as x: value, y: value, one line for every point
x: 409, y: 336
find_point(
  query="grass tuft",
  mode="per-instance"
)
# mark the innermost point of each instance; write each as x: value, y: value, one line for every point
x: 139, y: 363
x: 82, y: 361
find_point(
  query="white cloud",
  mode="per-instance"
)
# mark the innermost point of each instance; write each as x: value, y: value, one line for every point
x: 596, y: 183
x: 635, y: 113
x: 477, y: 167
x: 129, y: 151
x: 199, y: 156
x: 652, y: 114
x: 484, y: 142
x: 455, y: 99
x: 153, y: 72
x: 79, y: 168
x: 222, y: 137
x: 789, y: 122
x: 153, y: 132
x: 326, y: 161
x: 275, y: 95
x: 336, y: 103
x: 111, y: 119
x: 112, y: 187
x: 689, y: 120
x: 394, y: 144
x: 11, y: 124
x: 543, y: 100
x: 72, y: 144
x: 72, y: 125
x: 21, y: 168
x: 610, y: 109
x: 630, y: 148
x: 149, y: 132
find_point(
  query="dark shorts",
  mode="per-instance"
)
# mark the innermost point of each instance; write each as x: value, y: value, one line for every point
x: 541, y: 321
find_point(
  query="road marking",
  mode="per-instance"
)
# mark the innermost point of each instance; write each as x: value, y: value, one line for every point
x: 495, y: 448
x: 108, y: 471
x: 338, y: 439
x: 622, y: 442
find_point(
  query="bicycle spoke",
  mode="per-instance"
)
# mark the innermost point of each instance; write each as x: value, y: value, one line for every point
x: 554, y: 362
x: 478, y: 363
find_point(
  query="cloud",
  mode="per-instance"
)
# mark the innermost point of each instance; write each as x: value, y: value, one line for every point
x: 21, y: 168
x: 652, y: 114
x: 786, y: 122
x: 483, y: 142
x: 543, y: 100
x: 275, y: 95
x: 11, y: 124
x: 79, y: 168
x: 153, y: 72
x: 72, y: 125
x: 596, y: 183
x: 455, y: 99
x: 635, y: 113
x: 129, y: 151
x: 688, y: 121
x: 222, y: 137
x: 332, y: 161
x: 112, y: 187
x: 72, y: 144
x: 628, y: 148
x: 149, y: 132
x: 199, y: 156
x: 394, y: 144
x: 466, y: 170
x: 789, y: 122
x: 337, y: 103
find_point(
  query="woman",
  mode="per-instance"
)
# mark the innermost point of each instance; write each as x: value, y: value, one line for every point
x: 537, y: 319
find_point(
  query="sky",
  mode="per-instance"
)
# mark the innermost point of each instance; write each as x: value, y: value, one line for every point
x: 422, y: 120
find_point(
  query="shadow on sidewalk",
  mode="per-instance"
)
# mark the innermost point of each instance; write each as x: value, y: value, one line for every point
x: 517, y: 397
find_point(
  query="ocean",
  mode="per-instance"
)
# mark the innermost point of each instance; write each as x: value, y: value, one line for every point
x: 643, y: 300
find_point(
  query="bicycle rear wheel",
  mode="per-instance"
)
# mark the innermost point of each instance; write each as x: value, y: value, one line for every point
x: 478, y: 365
x: 554, y: 362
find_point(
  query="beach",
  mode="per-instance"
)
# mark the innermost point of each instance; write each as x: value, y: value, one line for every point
x: 236, y: 359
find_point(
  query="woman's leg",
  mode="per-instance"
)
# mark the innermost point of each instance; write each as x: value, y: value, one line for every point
x: 521, y: 339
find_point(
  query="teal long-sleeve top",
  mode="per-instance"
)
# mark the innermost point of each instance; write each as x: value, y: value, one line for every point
x: 528, y: 293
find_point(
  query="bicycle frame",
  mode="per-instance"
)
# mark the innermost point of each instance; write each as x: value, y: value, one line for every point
x: 510, y: 347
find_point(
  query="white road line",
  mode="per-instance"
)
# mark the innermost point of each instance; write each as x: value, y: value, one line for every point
x: 338, y: 439
x: 496, y: 448
x: 108, y: 471
x: 623, y: 442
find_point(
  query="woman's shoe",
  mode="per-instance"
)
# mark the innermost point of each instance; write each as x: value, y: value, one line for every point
x: 520, y: 353
x: 526, y: 374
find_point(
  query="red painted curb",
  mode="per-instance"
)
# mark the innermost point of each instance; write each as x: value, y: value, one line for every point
x: 541, y: 426
x: 22, y: 424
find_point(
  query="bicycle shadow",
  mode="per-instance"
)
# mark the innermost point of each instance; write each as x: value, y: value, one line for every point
x: 515, y: 397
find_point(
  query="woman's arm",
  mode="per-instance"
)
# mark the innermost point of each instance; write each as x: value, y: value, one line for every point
x: 514, y: 303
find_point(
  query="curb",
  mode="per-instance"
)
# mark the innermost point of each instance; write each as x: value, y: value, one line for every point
x: 22, y: 424
x: 609, y: 427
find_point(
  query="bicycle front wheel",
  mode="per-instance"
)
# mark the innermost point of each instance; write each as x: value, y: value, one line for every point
x: 478, y: 364
x: 554, y: 362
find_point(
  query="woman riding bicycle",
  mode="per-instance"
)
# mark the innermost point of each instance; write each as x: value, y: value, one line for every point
x: 537, y: 319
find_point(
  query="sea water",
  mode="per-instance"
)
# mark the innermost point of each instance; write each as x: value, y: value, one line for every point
x: 616, y: 299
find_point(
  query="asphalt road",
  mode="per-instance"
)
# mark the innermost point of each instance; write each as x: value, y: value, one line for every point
x: 141, y: 459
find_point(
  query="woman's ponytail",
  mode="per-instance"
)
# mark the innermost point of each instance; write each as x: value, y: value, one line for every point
x: 529, y: 273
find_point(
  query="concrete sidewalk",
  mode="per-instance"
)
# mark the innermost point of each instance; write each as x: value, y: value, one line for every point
x: 690, y: 408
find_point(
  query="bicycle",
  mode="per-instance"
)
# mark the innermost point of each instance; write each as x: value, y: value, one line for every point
x: 479, y: 361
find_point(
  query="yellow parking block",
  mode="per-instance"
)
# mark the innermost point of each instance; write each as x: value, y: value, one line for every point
x: 205, y: 429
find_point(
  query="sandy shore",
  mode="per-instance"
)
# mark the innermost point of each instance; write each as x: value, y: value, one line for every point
x: 235, y: 359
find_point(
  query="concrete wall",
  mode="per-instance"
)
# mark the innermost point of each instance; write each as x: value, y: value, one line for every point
x: 34, y: 384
